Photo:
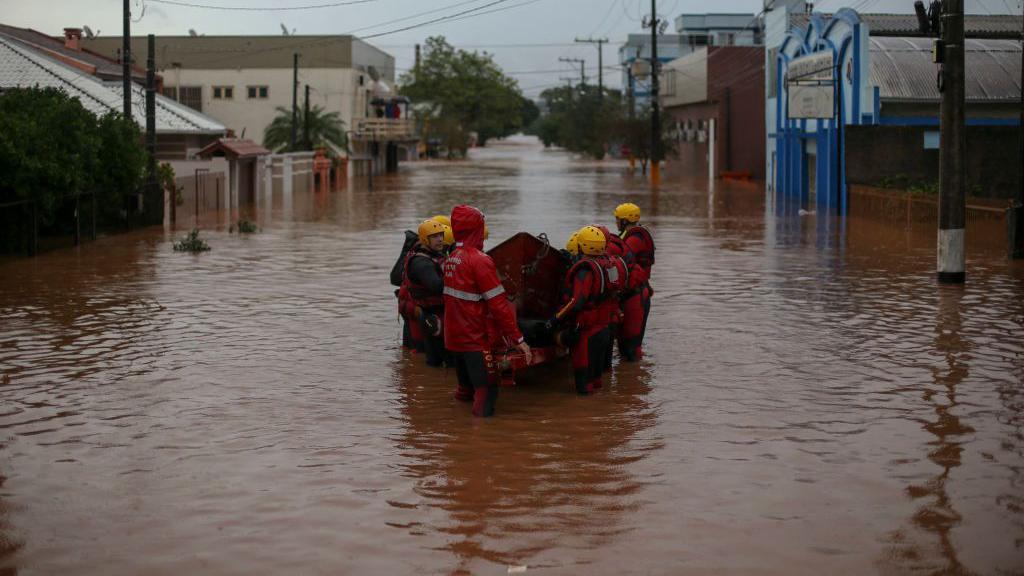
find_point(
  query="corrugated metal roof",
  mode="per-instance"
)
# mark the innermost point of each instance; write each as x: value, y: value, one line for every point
x: 975, y: 25
x: 21, y: 67
x: 903, y: 70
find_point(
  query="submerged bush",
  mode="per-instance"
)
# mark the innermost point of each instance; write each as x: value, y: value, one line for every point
x: 191, y: 243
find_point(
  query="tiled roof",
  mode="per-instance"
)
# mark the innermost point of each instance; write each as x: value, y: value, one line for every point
x: 105, y: 67
x: 903, y: 70
x: 236, y: 147
x: 975, y: 25
x: 21, y: 67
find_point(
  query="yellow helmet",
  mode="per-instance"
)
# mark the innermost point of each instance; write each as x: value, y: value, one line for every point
x: 629, y: 212
x: 442, y: 219
x: 591, y: 240
x: 449, y: 236
x: 428, y: 228
x: 572, y: 245
x: 487, y: 233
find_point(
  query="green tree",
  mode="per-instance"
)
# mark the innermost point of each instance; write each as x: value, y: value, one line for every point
x: 467, y: 92
x: 52, y: 148
x: 326, y: 130
x: 581, y: 119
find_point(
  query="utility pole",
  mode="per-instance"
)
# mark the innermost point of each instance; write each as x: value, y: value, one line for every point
x: 416, y: 68
x: 568, y: 84
x: 295, y: 100
x: 600, y: 61
x: 631, y: 112
x: 1017, y: 227
x: 952, y: 202
x: 308, y: 144
x: 583, y: 67
x: 126, y: 60
x: 152, y: 203
x: 655, y: 106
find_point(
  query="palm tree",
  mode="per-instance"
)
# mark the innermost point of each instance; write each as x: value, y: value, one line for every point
x: 326, y: 130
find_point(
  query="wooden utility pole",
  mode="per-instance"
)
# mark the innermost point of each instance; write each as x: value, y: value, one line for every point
x: 126, y: 60
x: 152, y: 204
x: 952, y: 201
x: 655, y: 106
x: 295, y: 100
x: 305, y: 123
x: 583, y: 67
x: 600, y: 61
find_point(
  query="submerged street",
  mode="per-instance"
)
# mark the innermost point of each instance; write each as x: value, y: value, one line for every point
x: 810, y: 398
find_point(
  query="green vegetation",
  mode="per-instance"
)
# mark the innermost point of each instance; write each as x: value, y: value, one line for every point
x: 326, y: 130
x: 586, y: 121
x: 51, y: 149
x: 245, y: 226
x: 191, y: 243
x: 465, y: 92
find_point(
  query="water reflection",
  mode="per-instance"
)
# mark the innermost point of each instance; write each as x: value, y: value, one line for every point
x: 554, y: 473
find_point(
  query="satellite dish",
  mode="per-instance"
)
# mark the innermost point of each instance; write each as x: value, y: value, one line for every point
x: 284, y: 30
x: 192, y: 33
x: 374, y: 74
x: 88, y: 31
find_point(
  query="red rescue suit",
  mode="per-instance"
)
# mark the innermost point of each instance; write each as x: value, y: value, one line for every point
x: 422, y: 285
x: 622, y: 257
x: 584, y: 295
x: 476, y: 313
x: 636, y: 304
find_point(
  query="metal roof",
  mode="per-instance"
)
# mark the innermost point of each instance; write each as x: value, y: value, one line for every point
x: 975, y: 25
x: 105, y: 67
x: 21, y: 67
x: 903, y: 70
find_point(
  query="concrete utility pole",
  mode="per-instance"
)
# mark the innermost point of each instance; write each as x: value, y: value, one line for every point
x: 416, y: 67
x: 600, y: 61
x: 295, y: 100
x: 655, y: 106
x: 952, y: 201
x: 1017, y: 228
x: 126, y: 60
x: 583, y: 67
x: 152, y: 203
x: 307, y: 143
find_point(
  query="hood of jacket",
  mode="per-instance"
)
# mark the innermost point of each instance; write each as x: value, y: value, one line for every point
x: 468, y: 226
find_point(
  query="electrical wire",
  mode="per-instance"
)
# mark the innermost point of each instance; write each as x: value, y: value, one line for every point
x: 260, y: 9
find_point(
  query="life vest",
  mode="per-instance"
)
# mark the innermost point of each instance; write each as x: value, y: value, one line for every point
x: 644, y: 258
x: 616, y: 275
x: 597, y: 294
x: 419, y: 294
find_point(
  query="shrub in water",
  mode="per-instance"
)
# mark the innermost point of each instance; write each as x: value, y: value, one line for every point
x: 191, y: 243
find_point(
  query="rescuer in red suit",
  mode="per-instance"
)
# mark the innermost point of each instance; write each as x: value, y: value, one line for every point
x: 621, y: 272
x: 475, y: 306
x: 636, y: 304
x: 424, y: 284
x: 583, y: 294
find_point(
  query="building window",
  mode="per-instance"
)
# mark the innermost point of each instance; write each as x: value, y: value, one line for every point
x: 223, y: 92
x: 191, y: 96
x: 257, y: 92
x: 727, y: 38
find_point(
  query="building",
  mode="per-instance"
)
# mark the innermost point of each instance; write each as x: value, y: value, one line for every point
x: 179, y: 129
x: 635, y: 57
x: 852, y: 98
x: 243, y: 81
x: 715, y: 99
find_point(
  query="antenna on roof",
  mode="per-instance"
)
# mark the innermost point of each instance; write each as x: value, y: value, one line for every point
x: 284, y: 29
x: 192, y: 32
x: 88, y: 31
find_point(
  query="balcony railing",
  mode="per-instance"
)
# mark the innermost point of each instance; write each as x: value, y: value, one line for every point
x: 383, y: 129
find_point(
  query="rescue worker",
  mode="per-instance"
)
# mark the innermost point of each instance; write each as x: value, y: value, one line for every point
x: 404, y: 304
x: 424, y: 284
x: 449, y: 240
x: 622, y: 272
x: 476, y: 314
x: 636, y: 304
x: 584, y: 289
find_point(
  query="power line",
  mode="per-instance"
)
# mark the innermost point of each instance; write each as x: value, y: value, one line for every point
x: 260, y: 9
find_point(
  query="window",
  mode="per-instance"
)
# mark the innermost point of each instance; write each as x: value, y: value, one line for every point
x: 171, y: 92
x: 223, y: 92
x: 191, y: 96
x: 727, y: 38
x: 257, y: 92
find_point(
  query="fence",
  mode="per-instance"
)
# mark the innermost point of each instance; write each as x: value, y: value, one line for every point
x: 23, y: 229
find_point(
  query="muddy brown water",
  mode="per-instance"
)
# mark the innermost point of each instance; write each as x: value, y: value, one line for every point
x: 811, y: 402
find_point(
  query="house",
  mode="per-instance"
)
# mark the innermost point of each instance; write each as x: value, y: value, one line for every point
x: 714, y: 97
x: 853, y: 98
x: 244, y: 81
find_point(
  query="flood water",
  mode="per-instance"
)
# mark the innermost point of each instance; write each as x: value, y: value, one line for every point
x: 811, y: 400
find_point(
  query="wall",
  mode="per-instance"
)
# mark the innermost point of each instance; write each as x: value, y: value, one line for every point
x: 894, y: 155
x: 335, y: 89
x: 736, y: 82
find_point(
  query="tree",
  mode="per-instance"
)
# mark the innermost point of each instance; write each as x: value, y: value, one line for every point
x: 580, y: 119
x: 468, y: 93
x: 326, y: 130
x: 52, y: 148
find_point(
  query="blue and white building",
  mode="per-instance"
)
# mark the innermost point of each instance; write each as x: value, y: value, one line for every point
x: 826, y: 73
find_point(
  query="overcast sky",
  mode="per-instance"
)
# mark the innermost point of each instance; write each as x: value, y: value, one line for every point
x: 512, y: 30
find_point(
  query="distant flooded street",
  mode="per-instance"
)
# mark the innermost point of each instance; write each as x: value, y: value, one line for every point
x: 811, y: 401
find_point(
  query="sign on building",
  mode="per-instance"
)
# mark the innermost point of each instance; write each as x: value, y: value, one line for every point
x: 810, y: 83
